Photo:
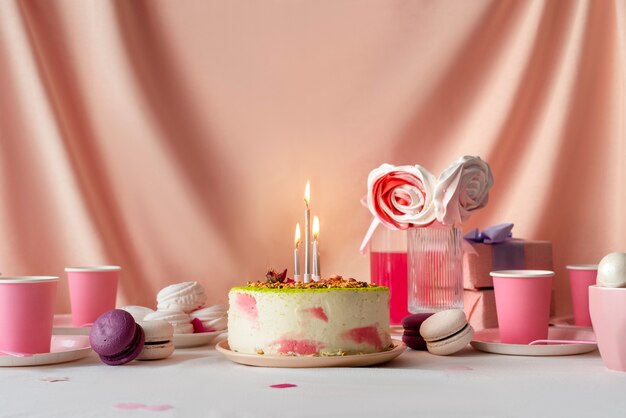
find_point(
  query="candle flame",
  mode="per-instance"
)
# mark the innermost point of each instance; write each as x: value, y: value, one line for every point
x: 297, y: 238
x: 316, y: 227
x: 307, y: 193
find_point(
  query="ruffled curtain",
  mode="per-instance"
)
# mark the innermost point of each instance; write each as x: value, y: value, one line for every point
x: 175, y: 138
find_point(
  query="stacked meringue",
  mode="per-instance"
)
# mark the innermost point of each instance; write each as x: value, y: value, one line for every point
x: 183, y: 306
x: 179, y: 320
x: 213, y: 318
x: 183, y: 297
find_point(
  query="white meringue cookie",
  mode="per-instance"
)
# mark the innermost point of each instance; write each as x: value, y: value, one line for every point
x: 138, y: 312
x: 179, y: 320
x: 186, y: 297
x: 213, y: 318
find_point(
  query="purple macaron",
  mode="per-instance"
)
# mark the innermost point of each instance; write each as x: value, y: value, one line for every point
x: 411, y: 325
x: 116, y: 337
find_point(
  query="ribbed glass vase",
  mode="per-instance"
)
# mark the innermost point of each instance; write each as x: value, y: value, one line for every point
x: 435, y: 268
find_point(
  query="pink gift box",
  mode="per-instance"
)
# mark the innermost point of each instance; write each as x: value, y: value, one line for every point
x: 480, y: 308
x: 513, y: 254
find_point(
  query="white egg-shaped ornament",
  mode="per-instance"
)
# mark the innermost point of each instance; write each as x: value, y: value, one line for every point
x: 612, y: 270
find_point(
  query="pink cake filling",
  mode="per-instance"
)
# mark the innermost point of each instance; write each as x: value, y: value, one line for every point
x: 368, y: 335
x: 317, y: 312
x: 302, y: 347
x: 247, y: 304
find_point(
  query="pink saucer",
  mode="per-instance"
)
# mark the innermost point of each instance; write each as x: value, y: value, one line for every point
x: 63, y: 348
x: 488, y: 340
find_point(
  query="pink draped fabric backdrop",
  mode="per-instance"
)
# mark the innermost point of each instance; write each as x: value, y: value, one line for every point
x: 175, y: 138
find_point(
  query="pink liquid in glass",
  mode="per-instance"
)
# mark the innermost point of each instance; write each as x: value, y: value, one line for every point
x: 390, y: 269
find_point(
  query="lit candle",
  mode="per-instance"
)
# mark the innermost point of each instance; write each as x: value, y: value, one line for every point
x: 316, y: 248
x: 307, y: 233
x: 296, y: 256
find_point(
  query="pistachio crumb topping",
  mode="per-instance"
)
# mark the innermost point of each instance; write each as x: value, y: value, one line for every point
x: 332, y: 282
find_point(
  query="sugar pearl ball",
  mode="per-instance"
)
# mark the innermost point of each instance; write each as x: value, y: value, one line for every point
x: 612, y: 270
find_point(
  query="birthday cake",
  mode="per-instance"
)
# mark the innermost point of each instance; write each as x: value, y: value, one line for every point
x: 330, y: 317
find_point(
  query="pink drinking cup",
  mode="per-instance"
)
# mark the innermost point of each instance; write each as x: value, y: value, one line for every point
x: 93, y: 291
x: 581, y: 276
x: 26, y: 313
x: 607, y: 306
x: 522, y: 304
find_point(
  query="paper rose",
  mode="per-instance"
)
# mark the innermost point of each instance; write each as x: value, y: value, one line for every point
x: 462, y: 188
x: 401, y: 196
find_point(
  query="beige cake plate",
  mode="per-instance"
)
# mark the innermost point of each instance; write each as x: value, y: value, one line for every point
x: 356, y: 360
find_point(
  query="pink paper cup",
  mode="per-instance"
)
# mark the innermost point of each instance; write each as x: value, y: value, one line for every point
x: 522, y: 304
x: 26, y: 313
x: 93, y: 291
x: 607, y: 306
x: 581, y: 276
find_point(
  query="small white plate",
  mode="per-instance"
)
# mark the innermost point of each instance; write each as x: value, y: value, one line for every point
x: 356, y: 360
x: 195, y: 340
x: 488, y: 340
x: 62, y: 325
x: 63, y: 348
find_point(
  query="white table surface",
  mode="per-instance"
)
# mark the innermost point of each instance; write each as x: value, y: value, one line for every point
x: 202, y: 382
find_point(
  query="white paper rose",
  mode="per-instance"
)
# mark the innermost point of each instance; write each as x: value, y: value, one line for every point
x: 462, y: 188
x: 401, y: 196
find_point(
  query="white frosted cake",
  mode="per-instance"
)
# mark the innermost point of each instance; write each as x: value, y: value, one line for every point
x: 330, y: 317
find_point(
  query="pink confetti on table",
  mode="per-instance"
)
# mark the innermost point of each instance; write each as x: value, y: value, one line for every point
x: 157, y: 407
x: 135, y: 405
x: 128, y: 405
x: 283, y: 385
x: 54, y: 379
x: 460, y: 367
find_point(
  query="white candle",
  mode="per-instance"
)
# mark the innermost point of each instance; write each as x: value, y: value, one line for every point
x: 307, y: 233
x: 296, y: 255
x: 316, y: 248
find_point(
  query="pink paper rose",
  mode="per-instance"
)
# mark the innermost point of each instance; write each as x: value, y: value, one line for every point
x: 462, y: 188
x: 401, y: 196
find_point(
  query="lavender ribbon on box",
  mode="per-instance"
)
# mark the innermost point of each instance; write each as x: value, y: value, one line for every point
x: 507, y: 253
x: 494, y: 234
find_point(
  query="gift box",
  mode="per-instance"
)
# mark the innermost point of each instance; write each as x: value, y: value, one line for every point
x: 512, y: 254
x: 480, y: 308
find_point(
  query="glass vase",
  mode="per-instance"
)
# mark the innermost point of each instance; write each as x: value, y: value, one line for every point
x: 435, y: 268
x: 388, y: 267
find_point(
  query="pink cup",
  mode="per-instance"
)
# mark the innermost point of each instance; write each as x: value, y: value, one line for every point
x: 607, y: 306
x: 522, y: 304
x: 581, y: 276
x: 26, y: 313
x: 93, y: 291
